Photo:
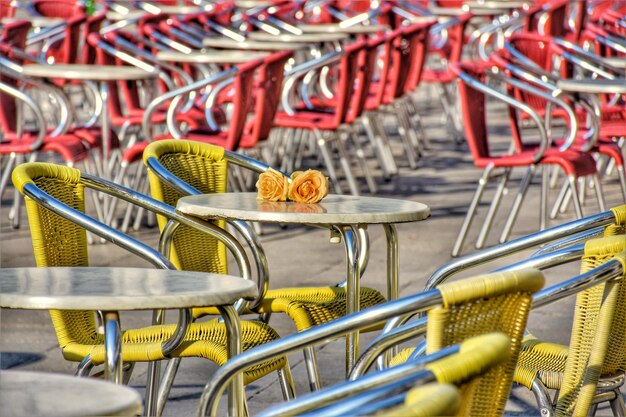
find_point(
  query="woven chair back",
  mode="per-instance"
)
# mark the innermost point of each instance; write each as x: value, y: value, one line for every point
x: 59, y: 242
x: 202, y: 166
x: 498, y: 302
x: 597, y: 344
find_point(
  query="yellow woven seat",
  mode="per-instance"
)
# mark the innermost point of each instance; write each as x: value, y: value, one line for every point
x: 60, y: 242
x: 598, y: 342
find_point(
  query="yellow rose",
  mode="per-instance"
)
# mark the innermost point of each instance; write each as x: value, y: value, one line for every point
x: 308, y: 186
x: 272, y: 186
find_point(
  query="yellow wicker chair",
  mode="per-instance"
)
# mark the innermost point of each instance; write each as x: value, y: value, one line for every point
x: 204, y: 167
x: 597, y: 349
x: 58, y: 241
x: 496, y: 302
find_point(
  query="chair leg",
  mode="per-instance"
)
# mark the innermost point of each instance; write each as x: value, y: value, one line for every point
x: 403, y: 130
x: 622, y: 180
x: 572, y: 180
x: 458, y: 244
x: 543, y: 399
x: 599, y: 193
x: 543, y: 217
x: 360, y: 154
x: 312, y: 368
x: 493, y: 208
x: 6, y: 174
x: 344, y: 160
x: 380, y: 148
x: 560, y: 200
x: 517, y: 204
x: 165, y: 386
x: 286, y: 382
x: 617, y: 405
x: 323, y: 146
x: 416, y: 121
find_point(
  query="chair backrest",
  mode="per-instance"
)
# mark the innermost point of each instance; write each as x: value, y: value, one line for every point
x: 597, y: 345
x: 64, y: 9
x: 497, y: 302
x: 473, y: 110
x: 417, y: 37
x: 13, y: 34
x: 367, y: 69
x: 549, y: 18
x: 267, y: 99
x: 202, y: 166
x: 59, y: 242
x: 92, y: 25
x: 348, y: 70
x: 7, y: 8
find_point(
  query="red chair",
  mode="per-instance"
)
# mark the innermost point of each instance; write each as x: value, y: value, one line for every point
x: 325, y: 120
x: 473, y: 92
x: 442, y: 76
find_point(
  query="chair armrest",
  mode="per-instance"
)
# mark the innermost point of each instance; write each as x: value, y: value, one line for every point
x: 45, y: 33
x: 299, y: 71
x: 146, y: 125
x: 19, y: 95
x: 339, y: 327
x: 505, y: 249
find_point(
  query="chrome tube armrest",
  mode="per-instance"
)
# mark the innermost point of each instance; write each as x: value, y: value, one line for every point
x: 41, y: 122
x: 317, y: 334
x: 505, y: 249
x: 14, y: 70
x: 359, y: 18
x: 210, y: 102
x: 120, y: 24
x: 184, y: 77
x: 187, y: 38
x: 224, y: 31
x: 146, y: 124
x: 582, y: 53
x: 573, y: 122
x: 569, y: 241
x: 299, y: 71
x: 49, y: 43
x: 612, y: 42
x: 260, y: 258
x: 544, y: 144
x: 177, y: 46
x: 45, y: 33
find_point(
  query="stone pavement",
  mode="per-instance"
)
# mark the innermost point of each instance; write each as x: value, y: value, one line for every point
x: 445, y: 181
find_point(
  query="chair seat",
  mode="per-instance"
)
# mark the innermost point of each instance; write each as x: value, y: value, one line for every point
x: 321, y: 119
x: 543, y: 360
x: 69, y: 147
x: 437, y: 76
x: 572, y: 162
x: 206, y: 339
x: 308, y: 306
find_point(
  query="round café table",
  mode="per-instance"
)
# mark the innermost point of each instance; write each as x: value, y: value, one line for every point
x: 252, y: 44
x: 110, y: 290
x: 210, y: 57
x: 41, y: 394
x: 342, y: 213
x: 304, y: 38
x: 98, y: 73
x: 337, y: 28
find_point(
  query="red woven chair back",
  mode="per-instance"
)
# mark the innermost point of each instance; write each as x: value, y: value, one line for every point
x: 456, y: 38
x: 66, y: 51
x: 92, y: 25
x: 348, y: 71
x: 12, y: 35
x: 416, y: 37
x: 553, y: 24
x: 367, y: 69
x: 243, y: 89
x: 473, y: 110
x: 270, y: 81
x: 64, y: 9
x: 7, y: 8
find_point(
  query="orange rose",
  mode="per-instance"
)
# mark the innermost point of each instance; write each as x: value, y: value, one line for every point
x: 272, y: 186
x: 309, y: 186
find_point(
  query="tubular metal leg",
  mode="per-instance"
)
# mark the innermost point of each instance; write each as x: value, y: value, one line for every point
x: 312, y: 368
x: 622, y: 180
x: 575, y: 197
x: 323, y: 146
x: 406, y: 142
x: 236, y: 397
x: 560, y: 200
x: 6, y: 174
x: 493, y: 209
x: 113, y: 347
x: 381, y: 134
x: 543, y: 216
x: 482, y: 183
x: 352, y: 291
x: 286, y: 383
x: 360, y: 154
x: 517, y: 204
x: 599, y: 193
x: 617, y: 405
x: 166, y: 383
x: 344, y: 159
x: 543, y: 399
